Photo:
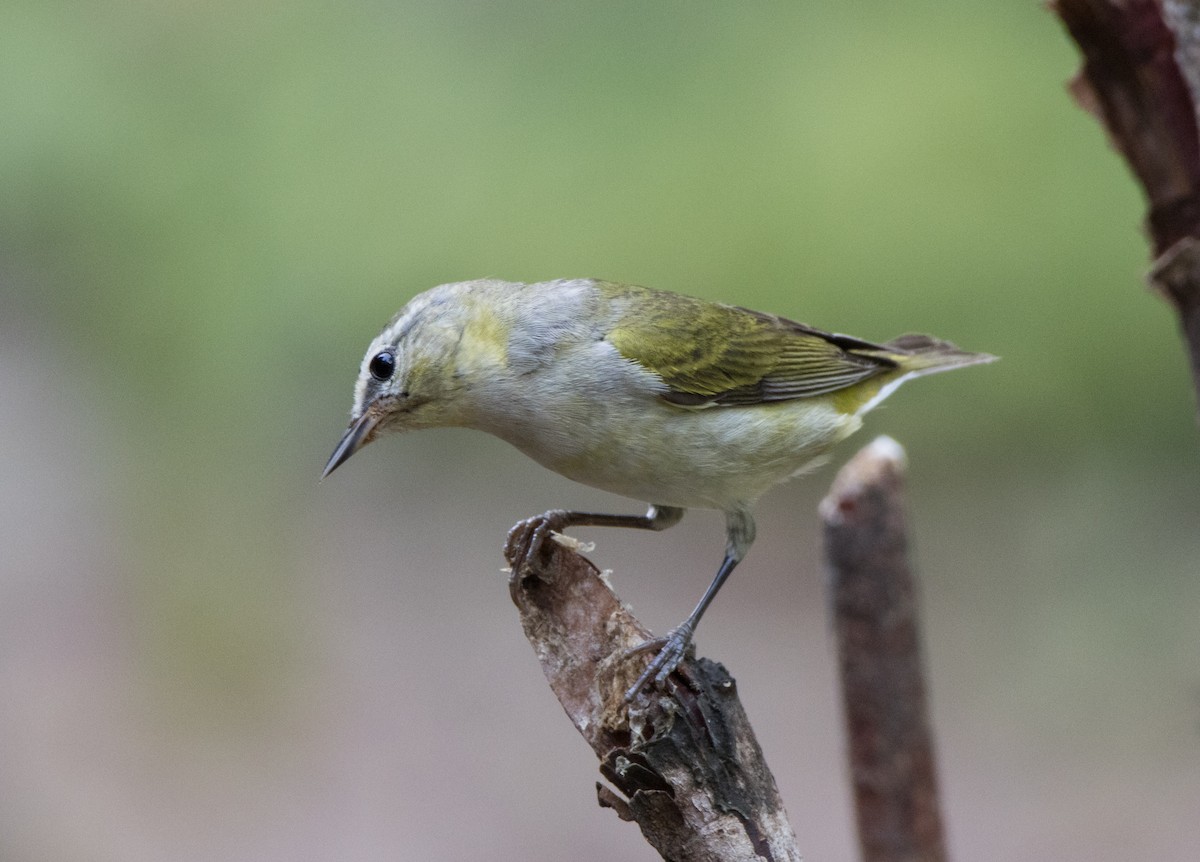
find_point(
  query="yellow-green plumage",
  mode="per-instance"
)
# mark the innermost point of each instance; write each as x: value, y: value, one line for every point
x: 736, y: 356
x: 670, y: 399
x: 709, y: 353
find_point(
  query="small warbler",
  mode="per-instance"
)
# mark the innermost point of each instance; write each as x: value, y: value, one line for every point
x: 664, y: 398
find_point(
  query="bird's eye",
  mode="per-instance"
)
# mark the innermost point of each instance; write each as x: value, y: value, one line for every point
x: 382, y: 366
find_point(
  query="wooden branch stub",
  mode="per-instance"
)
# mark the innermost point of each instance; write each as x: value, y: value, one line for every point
x: 1131, y: 82
x: 874, y: 598
x: 1176, y: 275
x: 686, y: 761
x: 1140, y: 77
x: 1183, y: 19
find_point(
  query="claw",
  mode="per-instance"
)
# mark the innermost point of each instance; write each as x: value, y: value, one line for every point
x: 671, y: 651
x: 525, y: 541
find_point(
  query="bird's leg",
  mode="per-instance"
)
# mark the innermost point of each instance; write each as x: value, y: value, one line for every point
x: 739, y: 530
x: 526, y: 539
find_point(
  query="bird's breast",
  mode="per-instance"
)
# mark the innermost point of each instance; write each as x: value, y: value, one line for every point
x: 637, y: 445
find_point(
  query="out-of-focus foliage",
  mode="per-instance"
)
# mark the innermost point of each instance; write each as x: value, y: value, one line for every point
x: 184, y: 187
x: 208, y: 209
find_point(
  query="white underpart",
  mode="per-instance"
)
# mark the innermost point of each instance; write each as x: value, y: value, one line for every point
x: 884, y: 391
x: 890, y: 387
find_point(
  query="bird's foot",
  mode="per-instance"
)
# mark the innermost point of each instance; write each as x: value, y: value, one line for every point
x: 526, y: 540
x: 672, y: 649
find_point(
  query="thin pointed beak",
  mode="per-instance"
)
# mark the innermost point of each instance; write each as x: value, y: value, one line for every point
x: 356, y: 436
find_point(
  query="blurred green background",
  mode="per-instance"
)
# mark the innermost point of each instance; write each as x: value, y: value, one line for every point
x: 208, y: 210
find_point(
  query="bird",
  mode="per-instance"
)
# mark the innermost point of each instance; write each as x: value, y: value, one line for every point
x: 676, y: 401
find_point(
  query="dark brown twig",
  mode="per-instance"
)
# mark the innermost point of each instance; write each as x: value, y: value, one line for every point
x: 875, y: 616
x: 686, y: 764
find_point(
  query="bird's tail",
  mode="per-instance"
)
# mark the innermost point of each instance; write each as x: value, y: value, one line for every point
x: 914, y: 356
x: 924, y: 354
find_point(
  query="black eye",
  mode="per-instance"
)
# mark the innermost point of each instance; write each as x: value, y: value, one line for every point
x: 382, y: 365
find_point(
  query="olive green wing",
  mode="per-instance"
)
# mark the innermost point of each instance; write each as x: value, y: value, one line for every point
x: 710, y: 354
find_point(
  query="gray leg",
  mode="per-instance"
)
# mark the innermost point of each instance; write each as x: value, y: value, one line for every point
x: 526, y: 539
x: 739, y: 536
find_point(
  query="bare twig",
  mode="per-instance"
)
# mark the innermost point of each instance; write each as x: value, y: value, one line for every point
x: 1139, y: 58
x: 687, y: 765
x: 875, y: 613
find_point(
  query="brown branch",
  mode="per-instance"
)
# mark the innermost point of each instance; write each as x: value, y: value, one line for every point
x: 686, y: 763
x: 875, y: 615
x: 1139, y: 57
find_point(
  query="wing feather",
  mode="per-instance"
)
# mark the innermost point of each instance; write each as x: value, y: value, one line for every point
x: 719, y: 355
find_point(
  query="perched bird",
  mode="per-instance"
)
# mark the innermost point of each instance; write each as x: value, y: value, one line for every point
x: 676, y: 401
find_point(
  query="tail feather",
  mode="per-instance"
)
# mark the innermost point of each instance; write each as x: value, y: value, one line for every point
x: 914, y: 356
x: 926, y: 354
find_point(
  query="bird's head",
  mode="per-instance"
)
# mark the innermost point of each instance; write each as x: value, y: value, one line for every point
x: 409, y: 375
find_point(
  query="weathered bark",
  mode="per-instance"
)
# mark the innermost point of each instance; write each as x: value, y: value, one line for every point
x: 874, y: 598
x: 685, y: 761
x: 1141, y: 70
